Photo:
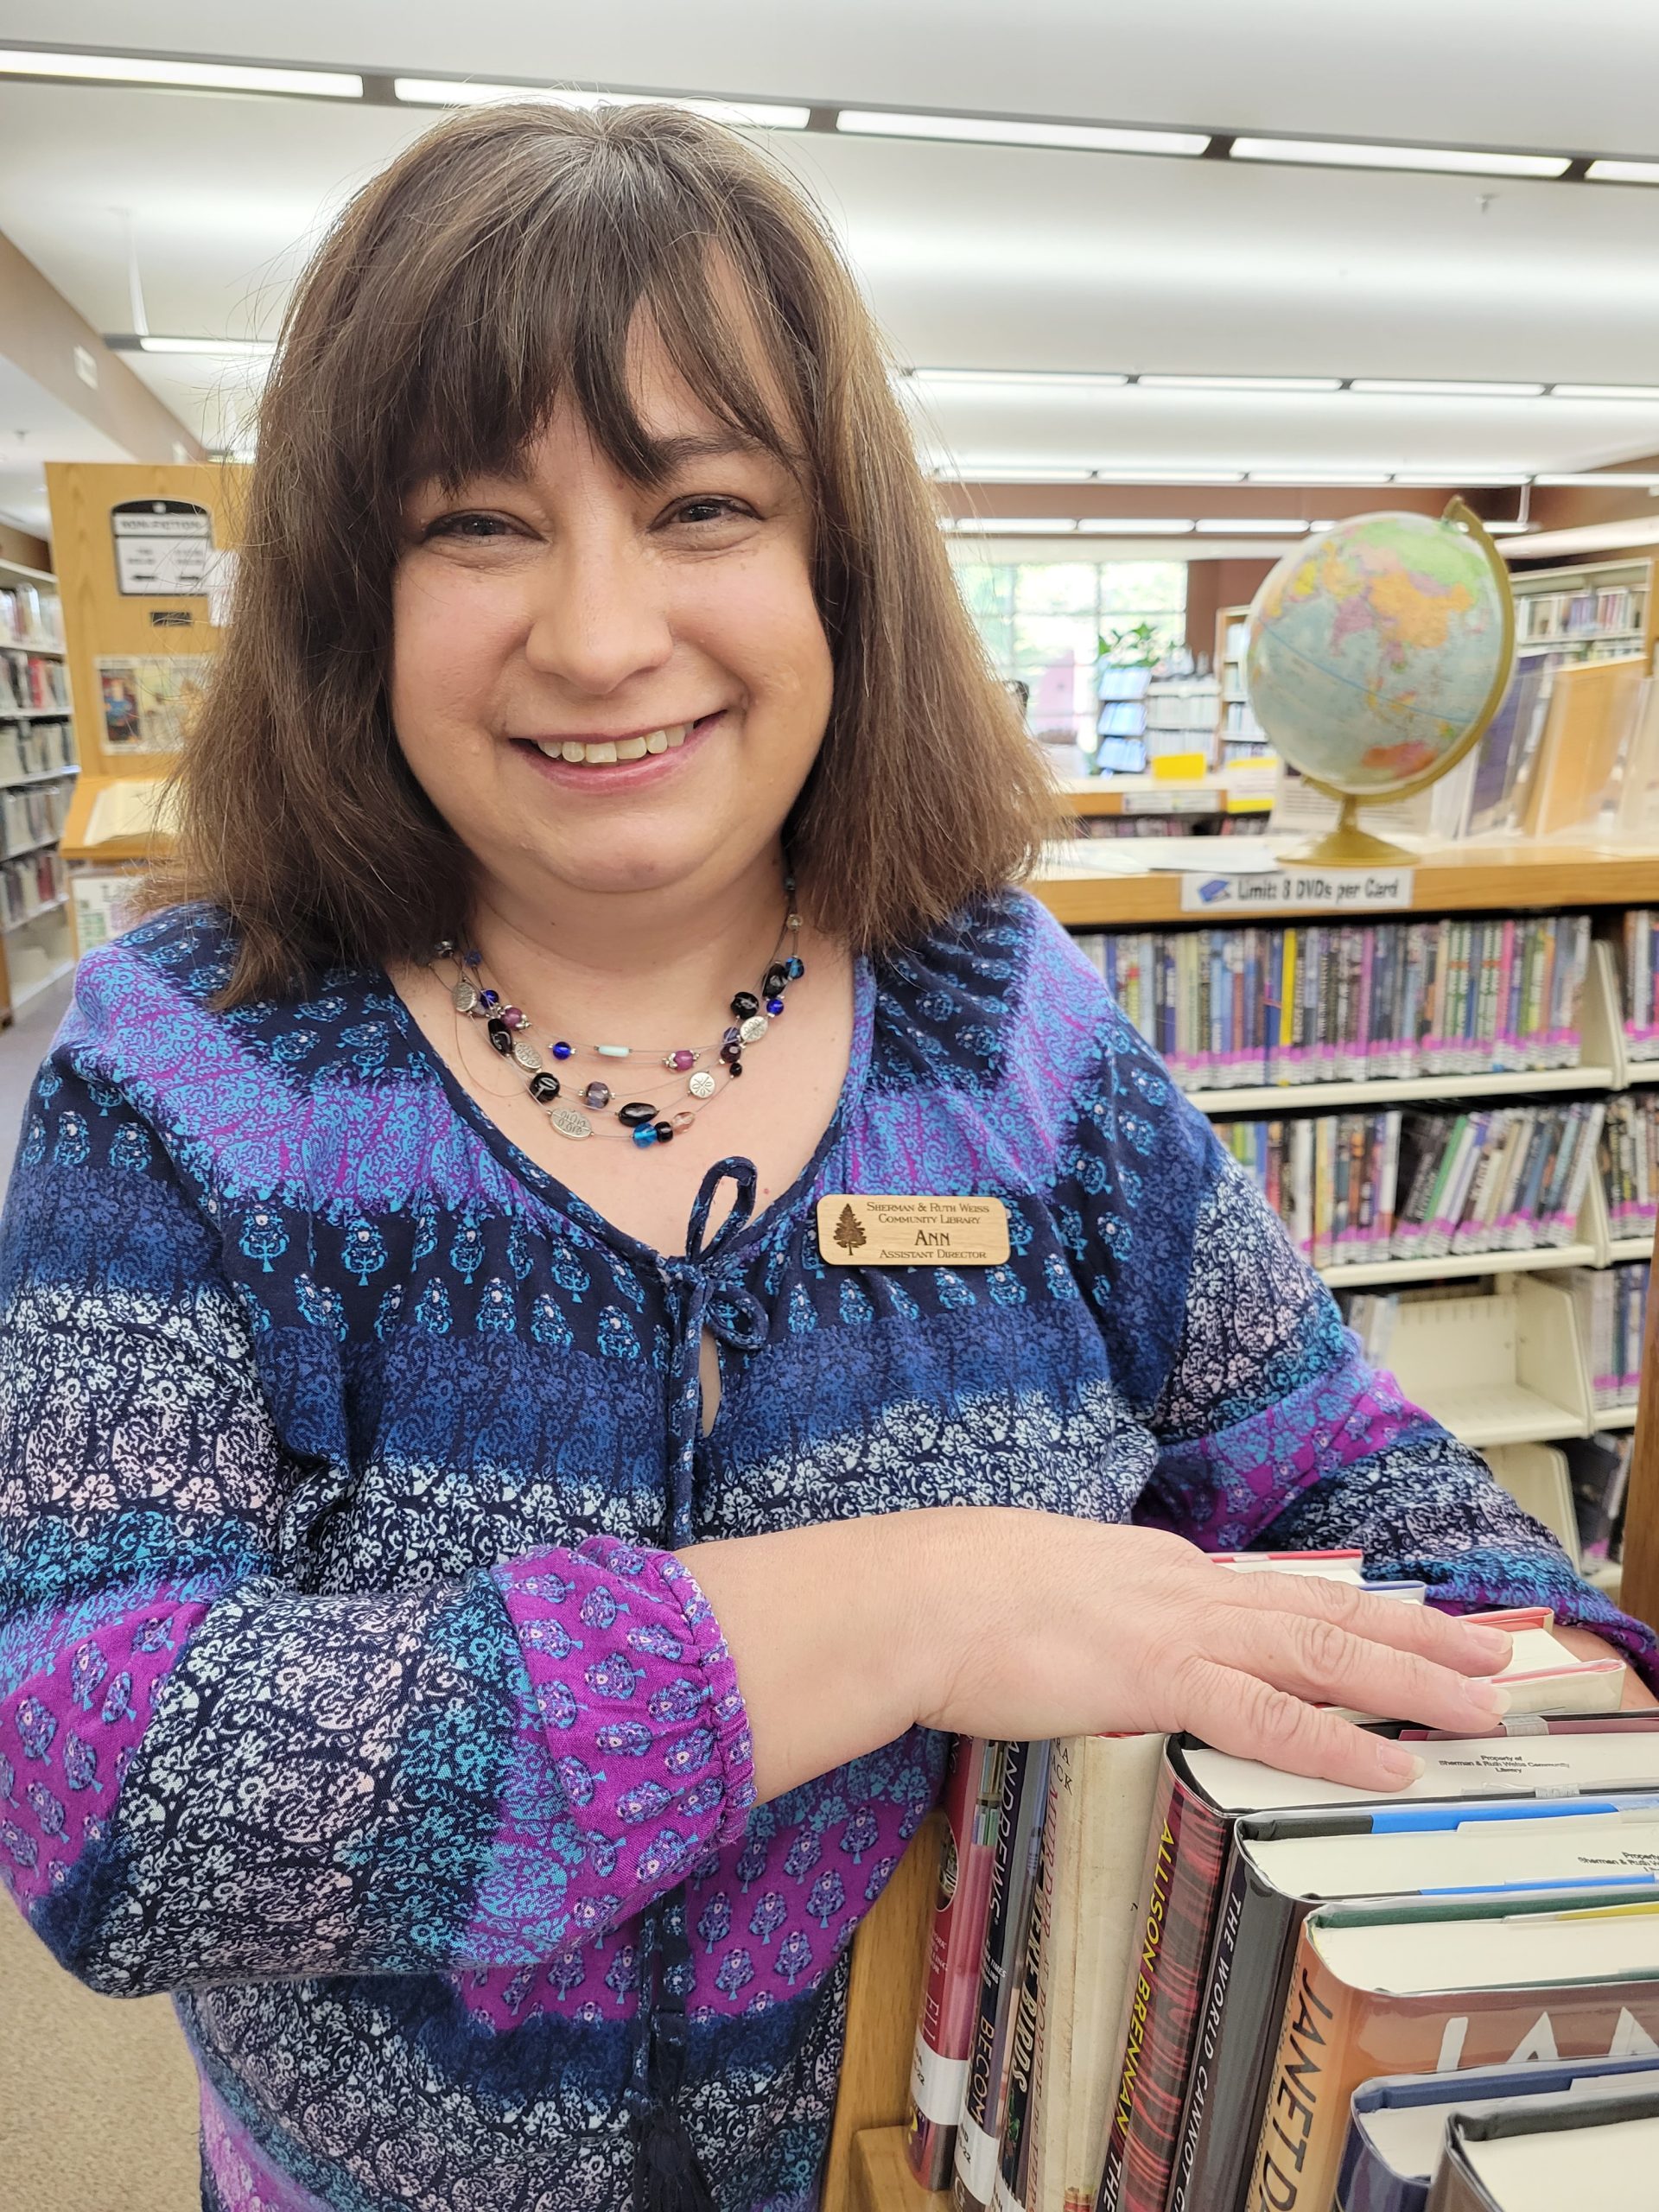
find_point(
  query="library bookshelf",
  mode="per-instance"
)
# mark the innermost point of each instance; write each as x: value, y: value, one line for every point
x: 38, y: 765
x: 1561, y: 610
x: 1506, y: 1371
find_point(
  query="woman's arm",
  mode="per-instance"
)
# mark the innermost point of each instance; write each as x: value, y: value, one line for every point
x: 210, y: 1772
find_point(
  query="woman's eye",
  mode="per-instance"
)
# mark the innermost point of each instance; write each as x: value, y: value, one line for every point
x: 467, y: 526
x: 708, y: 510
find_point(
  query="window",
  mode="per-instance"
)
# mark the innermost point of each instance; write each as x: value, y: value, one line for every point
x: 1043, y: 621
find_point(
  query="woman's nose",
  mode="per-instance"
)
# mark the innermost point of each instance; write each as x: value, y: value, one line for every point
x: 598, y: 618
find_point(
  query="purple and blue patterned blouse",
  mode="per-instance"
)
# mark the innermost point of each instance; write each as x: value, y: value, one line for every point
x: 349, y: 1688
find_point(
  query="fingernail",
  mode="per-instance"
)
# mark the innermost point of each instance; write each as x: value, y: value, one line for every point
x: 1492, y: 1643
x: 1403, y: 1766
x: 1490, y: 1697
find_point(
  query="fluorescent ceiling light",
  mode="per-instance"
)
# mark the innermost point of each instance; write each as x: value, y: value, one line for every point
x: 1250, y: 526
x: 989, y: 130
x: 1443, y: 388
x: 197, y: 76
x: 1169, y: 475
x: 1239, y: 384
x: 1622, y: 173
x: 1341, y: 155
x: 1011, y: 471
x: 257, y: 348
x: 1059, y: 379
x: 1647, y: 392
x: 461, y: 92
x: 1003, y: 526
x: 1145, y: 527
x: 1355, y: 476
x: 1431, y: 478
x: 1607, y: 480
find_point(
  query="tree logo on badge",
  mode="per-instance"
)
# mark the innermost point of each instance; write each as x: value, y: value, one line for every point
x: 849, y: 1230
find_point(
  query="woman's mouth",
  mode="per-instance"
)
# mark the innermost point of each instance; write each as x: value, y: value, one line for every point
x: 614, y: 752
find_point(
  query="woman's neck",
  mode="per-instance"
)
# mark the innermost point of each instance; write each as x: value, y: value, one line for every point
x: 634, y: 967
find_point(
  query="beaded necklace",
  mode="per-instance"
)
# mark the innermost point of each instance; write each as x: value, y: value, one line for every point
x: 645, y: 1123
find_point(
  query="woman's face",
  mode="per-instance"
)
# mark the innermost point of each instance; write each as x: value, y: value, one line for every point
x: 607, y: 688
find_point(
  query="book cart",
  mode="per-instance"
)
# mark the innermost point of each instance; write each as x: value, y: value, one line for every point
x: 1510, y: 1371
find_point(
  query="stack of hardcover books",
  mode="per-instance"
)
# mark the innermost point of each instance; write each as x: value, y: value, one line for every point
x: 1160, y: 1976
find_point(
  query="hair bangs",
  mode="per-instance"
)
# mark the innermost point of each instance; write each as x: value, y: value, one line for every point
x: 555, y: 306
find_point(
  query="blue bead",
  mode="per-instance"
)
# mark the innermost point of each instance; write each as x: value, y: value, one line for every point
x: 473, y: 959
x: 561, y: 1050
x: 774, y: 1006
x: 644, y: 1134
x: 489, y: 998
x: 797, y: 969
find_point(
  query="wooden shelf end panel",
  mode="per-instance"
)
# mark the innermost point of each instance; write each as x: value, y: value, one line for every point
x: 883, y: 2002
x: 882, y: 2179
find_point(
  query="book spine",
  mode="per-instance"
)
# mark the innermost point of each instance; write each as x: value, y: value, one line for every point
x: 1014, y: 2138
x: 939, y: 2065
x: 974, y: 2178
x: 1181, y: 1885
x: 1299, y: 2146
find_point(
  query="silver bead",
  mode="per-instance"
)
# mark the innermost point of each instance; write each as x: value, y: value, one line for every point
x: 569, y: 1123
x: 525, y: 1053
x: 702, y: 1084
x: 754, y: 1028
x: 465, y: 996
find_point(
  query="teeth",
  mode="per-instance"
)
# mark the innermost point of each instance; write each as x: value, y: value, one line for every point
x: 621, y: 749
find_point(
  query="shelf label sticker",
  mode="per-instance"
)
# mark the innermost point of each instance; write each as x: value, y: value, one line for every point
x: 1334, y: 890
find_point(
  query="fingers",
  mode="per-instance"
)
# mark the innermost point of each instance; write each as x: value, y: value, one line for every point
x: 1236, y: 1712
x: 1441, y: 1637
x: 1318, y: 1660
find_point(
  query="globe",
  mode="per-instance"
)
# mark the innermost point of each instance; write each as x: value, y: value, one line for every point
x: 1376, y: 655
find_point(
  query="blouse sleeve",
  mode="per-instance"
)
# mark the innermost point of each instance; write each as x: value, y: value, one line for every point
x: 208, y: 1773
x: 1272, y: 1428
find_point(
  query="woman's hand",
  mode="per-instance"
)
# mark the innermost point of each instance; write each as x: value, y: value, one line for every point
x: 996, y: 1621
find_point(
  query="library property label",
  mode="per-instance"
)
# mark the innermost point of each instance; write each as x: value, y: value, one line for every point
x: 856, y: 1229
x: 1332, y: 890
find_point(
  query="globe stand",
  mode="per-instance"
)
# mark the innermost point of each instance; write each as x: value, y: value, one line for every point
x: 1346, y: 845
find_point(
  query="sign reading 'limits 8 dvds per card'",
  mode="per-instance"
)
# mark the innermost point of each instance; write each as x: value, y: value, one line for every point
x: 858, y: 1231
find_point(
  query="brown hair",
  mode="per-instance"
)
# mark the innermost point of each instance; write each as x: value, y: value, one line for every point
x: 497, y: 265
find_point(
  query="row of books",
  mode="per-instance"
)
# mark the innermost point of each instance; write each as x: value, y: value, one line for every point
x: 1365, y: 1186
x: 1327, y: 1003
x: 34, y: 748
x: 1612, y: 1306
x: 29, y: 683
x: 29, y: 616
x: 1170, y: 825
x: 1578, y: 614
x: 31, y: 816
x: 1630, y: 1163
x: 1136, y: 1935
x: 28, y: 885
x: 1638, y: 946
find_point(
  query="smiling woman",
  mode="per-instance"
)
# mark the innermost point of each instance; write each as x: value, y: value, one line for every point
x: 485, y: 1581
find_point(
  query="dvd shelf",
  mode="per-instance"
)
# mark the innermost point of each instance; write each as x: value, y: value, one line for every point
x: 1360, y: 1188
x: 1307, y: 1005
